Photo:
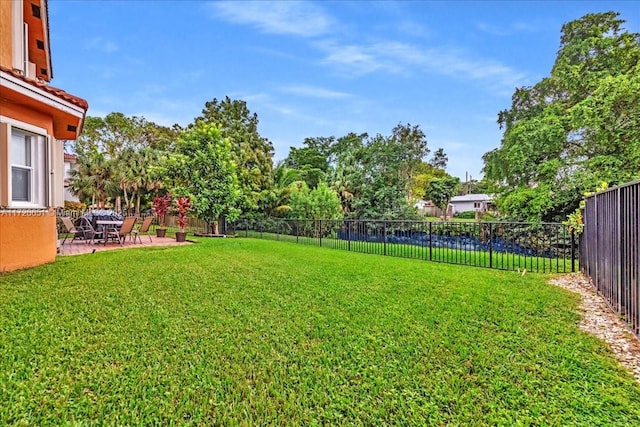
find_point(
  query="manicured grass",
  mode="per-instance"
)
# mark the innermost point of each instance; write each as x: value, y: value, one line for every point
x: 479, y: 258
x: 253, y: 332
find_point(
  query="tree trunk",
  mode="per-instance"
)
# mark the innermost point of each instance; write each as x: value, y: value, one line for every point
x: 138, y: 204
x: 126, y: 198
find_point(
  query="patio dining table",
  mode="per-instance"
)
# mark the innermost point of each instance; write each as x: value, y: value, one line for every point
x: 104, y: 225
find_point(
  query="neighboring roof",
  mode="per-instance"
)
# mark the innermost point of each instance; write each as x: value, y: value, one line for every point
x: 472, y: 198
x: 69, y: 156
x: 59, y: 93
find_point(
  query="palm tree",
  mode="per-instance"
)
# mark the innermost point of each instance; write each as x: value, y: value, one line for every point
x: 94, y: 179
x: 283, y: 179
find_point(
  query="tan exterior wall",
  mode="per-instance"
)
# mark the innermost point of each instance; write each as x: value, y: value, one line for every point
x: 27, y: 239
x: 6, y: 49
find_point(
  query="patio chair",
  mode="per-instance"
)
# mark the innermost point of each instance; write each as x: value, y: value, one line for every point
x: 144, y: 228
x: 80, y: 232
x: 120, y: 233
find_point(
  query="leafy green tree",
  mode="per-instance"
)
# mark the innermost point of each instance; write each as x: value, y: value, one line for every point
x: 300, y: 201
x: 411, y: 144
x: 441, y: 190
x: 325, y: 202
x: 374, y: 176
x: 310, y: 164
x: 128, y: 145
x: 382, y: 183
x: 320, y: 203
x: 201, y: 167
x: 574, y: 129
x: 252, y: 153
x: 116, y: 132
x: 424, y: 173
x: 439, y: 159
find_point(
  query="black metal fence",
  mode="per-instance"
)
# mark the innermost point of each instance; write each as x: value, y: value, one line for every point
x: 610, y: 249
x: 535, y: 247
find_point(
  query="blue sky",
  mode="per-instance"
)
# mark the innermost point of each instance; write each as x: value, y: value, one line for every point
x: 317, y: 68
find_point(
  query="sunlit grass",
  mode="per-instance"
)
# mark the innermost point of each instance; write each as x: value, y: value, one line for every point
x: 244, y: 331
x: 477, y: 258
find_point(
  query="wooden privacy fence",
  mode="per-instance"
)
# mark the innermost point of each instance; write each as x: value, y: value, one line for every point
x: 610, y: 249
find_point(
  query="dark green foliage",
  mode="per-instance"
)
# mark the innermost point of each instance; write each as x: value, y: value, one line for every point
x: 251, y: 153
x: 441, y: 190
x: 319, y: 203
x: 114, y: 157
x: 202, y: 169
x: 312, y: 160
x: 574, y: 129
x: 466, y: 215
x: 373, y: 175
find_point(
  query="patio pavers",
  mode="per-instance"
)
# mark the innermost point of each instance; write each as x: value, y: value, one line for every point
x: 79, y: 247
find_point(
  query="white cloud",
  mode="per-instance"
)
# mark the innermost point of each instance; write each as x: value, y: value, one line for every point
x: 290, y: 17
x: 403, y: 58
x: 98, y: 43
x: 355, y: 59
x: 314, y: 92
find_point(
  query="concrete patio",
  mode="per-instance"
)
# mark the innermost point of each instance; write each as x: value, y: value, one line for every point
x: 79, y: 247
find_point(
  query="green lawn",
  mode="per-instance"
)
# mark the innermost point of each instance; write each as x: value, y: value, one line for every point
x: 254, y: 332
x: 478, y: 258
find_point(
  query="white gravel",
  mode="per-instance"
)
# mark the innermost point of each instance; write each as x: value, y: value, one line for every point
x: 598, y: 319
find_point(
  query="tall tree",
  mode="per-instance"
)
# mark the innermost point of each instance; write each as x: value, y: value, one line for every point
x: 441, y: 190
x: 202, y: 168
x: 95, y: 179
x: 412, y: 145
x: 116, y: 132
x: 439, y: 159
x: 312, y: 160
x: 252, y: 153
x: 573, y: 129
x: 129, y: 145
x: 283, y: 178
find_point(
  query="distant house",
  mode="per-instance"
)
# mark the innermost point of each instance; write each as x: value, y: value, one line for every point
x: 472, y: 202
x: 70, y: 163
x: 35, y: 118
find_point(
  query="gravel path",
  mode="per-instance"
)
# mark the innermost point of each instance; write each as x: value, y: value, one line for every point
x: 599, y: 320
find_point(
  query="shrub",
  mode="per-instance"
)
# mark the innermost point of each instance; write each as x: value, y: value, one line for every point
x: 466, y: 215
x: 74, y: 206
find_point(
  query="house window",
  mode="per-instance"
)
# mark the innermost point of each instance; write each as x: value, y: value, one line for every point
x: 27, y: 155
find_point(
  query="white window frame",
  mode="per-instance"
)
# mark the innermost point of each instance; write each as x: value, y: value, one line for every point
x: 39, y: 179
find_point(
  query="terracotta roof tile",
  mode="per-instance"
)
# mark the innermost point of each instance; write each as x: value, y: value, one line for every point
x: 50, y: 89
x: 69, y: 156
